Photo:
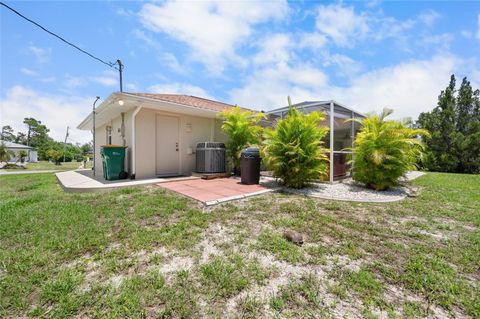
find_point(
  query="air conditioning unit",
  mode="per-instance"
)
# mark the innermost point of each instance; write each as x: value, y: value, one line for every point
x: 210, y: 157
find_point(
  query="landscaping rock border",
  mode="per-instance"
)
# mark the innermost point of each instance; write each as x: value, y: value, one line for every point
x: 348, y: 190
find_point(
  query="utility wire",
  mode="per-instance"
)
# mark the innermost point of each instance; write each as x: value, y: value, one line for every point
x: 110, y: 64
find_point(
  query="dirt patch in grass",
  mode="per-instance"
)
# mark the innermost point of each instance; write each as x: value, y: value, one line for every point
x: 144, y: 252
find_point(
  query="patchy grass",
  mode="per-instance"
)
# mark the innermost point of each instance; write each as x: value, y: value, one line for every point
x: 45, y: 165
x: 144, y: 252
x: 301, y: 298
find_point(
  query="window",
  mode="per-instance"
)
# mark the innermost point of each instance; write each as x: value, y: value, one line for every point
x: 109, y: 135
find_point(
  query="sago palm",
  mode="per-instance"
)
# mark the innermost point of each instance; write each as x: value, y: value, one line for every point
x: 294, y: 148
x: 384, y: 150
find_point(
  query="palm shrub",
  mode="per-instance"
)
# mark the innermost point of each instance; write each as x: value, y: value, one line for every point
x: 243, y: 129
x: 22, y: 155
x: 384, y: 150
x: 5, y: 154
x: 294, y: 148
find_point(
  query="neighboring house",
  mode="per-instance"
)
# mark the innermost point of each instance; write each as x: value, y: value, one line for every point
x: 341, y: 135
x: 15, y: 148
x: 160, y: 131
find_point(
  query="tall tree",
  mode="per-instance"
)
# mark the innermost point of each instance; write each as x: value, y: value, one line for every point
x: 21, y: 138
x: 37, y: 133
x: 7, y: 134
x: 454, y: 126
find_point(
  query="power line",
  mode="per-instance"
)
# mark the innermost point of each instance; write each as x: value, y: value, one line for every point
x: 110, y: 64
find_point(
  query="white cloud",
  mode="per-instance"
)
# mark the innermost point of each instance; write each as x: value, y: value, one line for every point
x: 104, y: 80
x: 274, y: 49
x: 72, y: 82
x: 409, y: 88
x: 313, y: 41
x: 212, y: 29
x: 268, y: 88
x: 441, y: 41
x: 429, y: 17
x: 341, y: 24
x: 132, y: 87
x: 179, y: 88
x: 55, y: 111
x: 107, y: 79
x: 42, y: 55
x: 346, y: 66
x: 28, y: 72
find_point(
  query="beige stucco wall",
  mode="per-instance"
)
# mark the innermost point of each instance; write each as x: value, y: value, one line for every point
x: 192, y: 130
x: 101, y: 139
x: 219, y: 135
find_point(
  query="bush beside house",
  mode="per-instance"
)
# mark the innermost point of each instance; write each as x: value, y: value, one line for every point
x: 294, y: 148
x: 384, y: 150
x: 243, y: 129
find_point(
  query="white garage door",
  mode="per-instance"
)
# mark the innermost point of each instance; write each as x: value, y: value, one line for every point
x: 168, y: 159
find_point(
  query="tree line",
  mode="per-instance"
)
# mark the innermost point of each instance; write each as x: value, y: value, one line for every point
x: 454, y: 126
x: 36, y: 135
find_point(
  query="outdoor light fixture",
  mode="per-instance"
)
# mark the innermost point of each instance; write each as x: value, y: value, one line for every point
x: 120, y: 102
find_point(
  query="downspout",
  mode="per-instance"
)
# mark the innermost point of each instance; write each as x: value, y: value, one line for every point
x: 132, y: 174
x: 93, y: 116
x: 331, y: 140
x: 122, y: 129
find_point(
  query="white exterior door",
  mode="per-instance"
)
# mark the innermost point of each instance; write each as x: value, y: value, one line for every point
x: 167, y: 145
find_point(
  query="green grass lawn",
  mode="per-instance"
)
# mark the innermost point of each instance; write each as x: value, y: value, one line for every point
x: 45, y: 165
x: 143, y: 252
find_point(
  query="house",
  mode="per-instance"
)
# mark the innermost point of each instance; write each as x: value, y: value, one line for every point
x: 15, y: 148
x: 159, y: 131
x: 341, y: 135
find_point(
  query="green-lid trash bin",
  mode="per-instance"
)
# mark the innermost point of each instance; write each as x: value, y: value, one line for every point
x: 113, y: 158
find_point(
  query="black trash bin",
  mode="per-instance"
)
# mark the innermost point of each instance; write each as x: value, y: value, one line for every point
x: 250, y: 166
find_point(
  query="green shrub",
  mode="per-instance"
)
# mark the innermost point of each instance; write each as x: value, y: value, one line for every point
x: 5, y: 154
x: 385, y: 150
x: 242, y: 129
x: 55, y: 155
x: 22, y: 155
x: 294, y: 150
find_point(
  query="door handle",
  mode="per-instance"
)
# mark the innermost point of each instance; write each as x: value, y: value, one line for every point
x: 176, y: 146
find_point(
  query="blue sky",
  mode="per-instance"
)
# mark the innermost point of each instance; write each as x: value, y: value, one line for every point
x: 367, y: 55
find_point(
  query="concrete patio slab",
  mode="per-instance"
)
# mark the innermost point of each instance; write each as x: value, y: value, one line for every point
x: 83, y: 181
x: 216, y: 191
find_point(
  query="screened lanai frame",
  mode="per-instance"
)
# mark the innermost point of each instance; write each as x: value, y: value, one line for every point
x: 342, y: 131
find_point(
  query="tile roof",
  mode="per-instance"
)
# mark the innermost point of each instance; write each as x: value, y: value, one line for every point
x: 188, y: 100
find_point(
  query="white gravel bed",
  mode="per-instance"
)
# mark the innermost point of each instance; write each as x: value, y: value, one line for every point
x: 347, y: 190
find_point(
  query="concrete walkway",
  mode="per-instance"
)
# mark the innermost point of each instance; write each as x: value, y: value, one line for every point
x: 28, y: 172
x: 80, y: 181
